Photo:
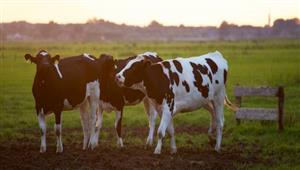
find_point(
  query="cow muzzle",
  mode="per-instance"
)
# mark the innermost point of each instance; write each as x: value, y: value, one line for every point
x: 119, y: 80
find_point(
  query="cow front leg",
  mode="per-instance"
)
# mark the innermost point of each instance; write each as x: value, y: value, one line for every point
x: 93, y: 109
x: 97, y: 129
x: 57, y: 128
x: 118, y: 127
x: 84, y: 114
x: 42, y: 124
x: 161, y: 132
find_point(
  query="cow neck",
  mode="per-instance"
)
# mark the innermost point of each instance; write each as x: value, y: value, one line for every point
x: 156, y: 82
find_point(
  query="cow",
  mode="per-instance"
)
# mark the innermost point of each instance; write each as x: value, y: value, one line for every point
x: 71, y: 83
x: 114, y: 98
x: 181, y: 85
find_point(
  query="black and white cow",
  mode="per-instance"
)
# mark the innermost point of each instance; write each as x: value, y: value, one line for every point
x: 181, y: 85
x: 114, y: 98
x: 64, y: 86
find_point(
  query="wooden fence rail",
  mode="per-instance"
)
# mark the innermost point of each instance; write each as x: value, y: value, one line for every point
x: 260, y: 113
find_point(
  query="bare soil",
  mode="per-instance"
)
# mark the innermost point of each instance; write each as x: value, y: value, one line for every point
x: 24, y: 154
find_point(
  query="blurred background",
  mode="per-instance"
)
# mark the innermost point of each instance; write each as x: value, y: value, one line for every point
x: 142, y: 20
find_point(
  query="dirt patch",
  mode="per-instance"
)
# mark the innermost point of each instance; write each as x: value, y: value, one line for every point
x: 24, y: 153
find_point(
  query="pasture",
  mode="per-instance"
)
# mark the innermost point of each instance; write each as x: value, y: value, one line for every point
x: 252, y: 144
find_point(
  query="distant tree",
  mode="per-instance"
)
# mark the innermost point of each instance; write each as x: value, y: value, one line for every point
x: 225, y: 25
x: 155, y: 24
x: 93, y: 20
x: 288, y: 27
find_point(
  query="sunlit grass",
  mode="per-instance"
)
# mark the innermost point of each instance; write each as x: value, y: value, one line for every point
x: 251, y: 63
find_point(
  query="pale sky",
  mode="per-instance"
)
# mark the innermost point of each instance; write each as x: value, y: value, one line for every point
x: 142, y: 12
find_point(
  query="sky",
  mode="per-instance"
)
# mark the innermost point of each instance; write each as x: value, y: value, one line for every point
x: 142, y: 12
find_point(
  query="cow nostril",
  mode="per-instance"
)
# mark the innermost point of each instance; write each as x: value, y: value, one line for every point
x: 117, y: 78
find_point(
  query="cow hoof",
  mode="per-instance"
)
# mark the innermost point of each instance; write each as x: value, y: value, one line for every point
x: 120, y: 143
x: 149, y: 142
x: 84, y: 147
x: 93, y: 145
x: 157, y: 151
x: 94, y: 142
x: 42, y: 149
x: 173, y: 150
x: 59, y: 150
x: 218, y: 149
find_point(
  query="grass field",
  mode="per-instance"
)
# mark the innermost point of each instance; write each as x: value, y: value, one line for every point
x: 253, y: 144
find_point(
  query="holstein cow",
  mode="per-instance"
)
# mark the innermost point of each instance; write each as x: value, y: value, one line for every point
x: 114, y: 98
x: 181, y: 85
x: 70, y: 83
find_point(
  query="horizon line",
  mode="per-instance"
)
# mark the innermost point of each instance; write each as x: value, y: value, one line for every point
x: 138, y: 25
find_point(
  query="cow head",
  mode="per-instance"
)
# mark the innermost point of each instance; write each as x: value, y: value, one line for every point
x: 42, y: 58
x: 106, y: 66
x: 132, y: 73
x: 44, y: 62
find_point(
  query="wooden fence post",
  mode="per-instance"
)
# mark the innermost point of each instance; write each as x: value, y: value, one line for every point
x: 238, y: 100
x: 280, y: 107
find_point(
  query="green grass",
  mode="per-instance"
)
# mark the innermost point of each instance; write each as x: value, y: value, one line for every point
x: 251, y: 63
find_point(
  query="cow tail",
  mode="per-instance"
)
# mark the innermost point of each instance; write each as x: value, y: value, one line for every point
x: 230, y: 105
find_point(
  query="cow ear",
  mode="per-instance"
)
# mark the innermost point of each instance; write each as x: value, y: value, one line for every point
x: 115, y: 61
x: 30, y: 57
x: 55, y: 58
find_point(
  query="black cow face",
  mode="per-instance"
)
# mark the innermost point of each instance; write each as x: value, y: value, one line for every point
x: 42, y: 57
x: 134, y: 74
x: 44, y: 64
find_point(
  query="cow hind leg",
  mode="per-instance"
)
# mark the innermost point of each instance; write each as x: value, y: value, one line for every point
x: 84, y: 114
x: 212, y: 128
x: 118, y: 127
x: 42, y: 124
x: 152, y: 114
x: 57, y: 127
x: 219, y: 110
x: 161, y: 132
x: 172, y: 137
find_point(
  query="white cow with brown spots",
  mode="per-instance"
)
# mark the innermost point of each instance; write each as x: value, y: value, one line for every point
x: 181, y: 85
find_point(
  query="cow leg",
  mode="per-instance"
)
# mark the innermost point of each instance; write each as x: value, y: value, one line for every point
x: 172, y: 137
x: 209, y: 107
x: 93, y: 108
x: 152, y: 114
x: 165, y: 120
x: 98, y: 127
x: 84, y: 114
x: 42, y: 124
x: 219, y: 110
x: 118, y: 124
x: 57, y: 127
